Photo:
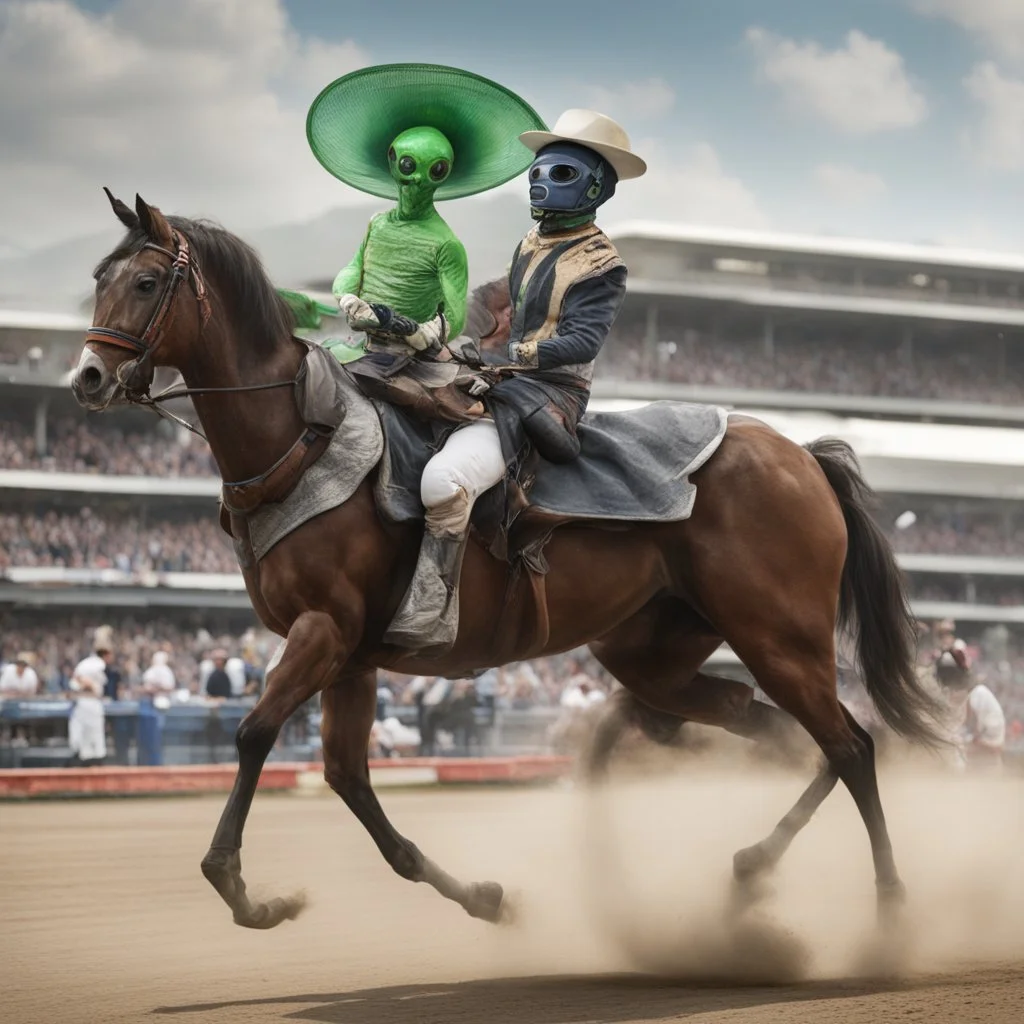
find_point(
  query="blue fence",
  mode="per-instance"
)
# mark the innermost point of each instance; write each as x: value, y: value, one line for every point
x: 34, y: 733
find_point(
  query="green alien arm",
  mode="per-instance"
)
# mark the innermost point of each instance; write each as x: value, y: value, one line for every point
x: 453, y: 273
x: 349, y: 277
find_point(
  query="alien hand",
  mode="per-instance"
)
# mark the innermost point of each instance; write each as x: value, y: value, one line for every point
x: 359, y: 314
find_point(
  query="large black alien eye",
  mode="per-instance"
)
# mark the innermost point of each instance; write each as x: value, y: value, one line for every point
x: 407, y: 165
x: 391, y: 154
x: 563, y: 173
x: 438, y: 170
x: 146, y: 285
x: 535, y: 174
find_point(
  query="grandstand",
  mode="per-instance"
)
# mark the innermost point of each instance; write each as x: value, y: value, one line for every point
x: 913, y: 354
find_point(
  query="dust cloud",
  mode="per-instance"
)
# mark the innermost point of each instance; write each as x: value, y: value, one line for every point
x: 637, y: 878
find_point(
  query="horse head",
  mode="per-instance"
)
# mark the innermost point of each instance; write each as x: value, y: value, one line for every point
x: 144, y: 317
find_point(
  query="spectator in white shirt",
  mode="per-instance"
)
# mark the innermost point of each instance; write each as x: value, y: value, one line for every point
x: 235, y: 669
x: 978, y: 718
x: 158, y: 680
x: 87, y: 724
x: 581, y: 693
x: 18, y: 678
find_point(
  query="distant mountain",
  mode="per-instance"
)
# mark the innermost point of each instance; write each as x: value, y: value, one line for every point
x: 59, y: 277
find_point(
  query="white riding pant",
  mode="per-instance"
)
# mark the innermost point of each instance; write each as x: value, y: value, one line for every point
x: 469, y: 464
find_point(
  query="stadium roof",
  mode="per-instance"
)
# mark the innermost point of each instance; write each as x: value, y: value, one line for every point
x: 821, y: 245
x: 42, y: 321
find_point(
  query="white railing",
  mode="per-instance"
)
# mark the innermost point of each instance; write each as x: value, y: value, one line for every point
x: 42, y: 576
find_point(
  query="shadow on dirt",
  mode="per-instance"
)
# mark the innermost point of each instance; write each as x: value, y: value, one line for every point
x: 553, y: 1000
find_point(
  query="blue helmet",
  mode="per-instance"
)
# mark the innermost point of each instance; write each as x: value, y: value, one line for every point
x: 568, y: 178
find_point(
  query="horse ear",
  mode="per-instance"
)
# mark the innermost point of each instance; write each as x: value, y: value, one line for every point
x: 154, y: 223
x: 124, y: 212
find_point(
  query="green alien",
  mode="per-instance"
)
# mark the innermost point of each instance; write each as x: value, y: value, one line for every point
x: 416, y: 133
x: 410, y: 261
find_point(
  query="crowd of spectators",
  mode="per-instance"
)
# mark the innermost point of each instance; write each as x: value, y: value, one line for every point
x: 98, y: 538
x: 80, y: 445
x: 438, y: 715
x: 92, y: 539
x: 938, y: 526
x: 55, y: 646
x: 820, y: 365
x: 52, y: 649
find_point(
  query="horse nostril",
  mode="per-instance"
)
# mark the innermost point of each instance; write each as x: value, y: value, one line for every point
x: 91, y: 379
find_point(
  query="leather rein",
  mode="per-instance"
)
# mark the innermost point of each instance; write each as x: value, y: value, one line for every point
x: 248, y: 495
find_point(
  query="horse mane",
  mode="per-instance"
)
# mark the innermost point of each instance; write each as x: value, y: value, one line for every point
x: 235, y: 268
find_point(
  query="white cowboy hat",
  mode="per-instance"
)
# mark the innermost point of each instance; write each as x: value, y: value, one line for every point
x: 595, y: 131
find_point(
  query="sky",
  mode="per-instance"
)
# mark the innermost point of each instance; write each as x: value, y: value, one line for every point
x: 891, y: 119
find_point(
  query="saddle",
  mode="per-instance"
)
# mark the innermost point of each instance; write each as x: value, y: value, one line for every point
x: 632, y: 467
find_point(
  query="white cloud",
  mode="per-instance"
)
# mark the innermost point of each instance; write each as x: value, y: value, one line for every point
x: 685, y: 187
x: 198, y: 105
x: 650, y: 98
x: 998, y: 23
x: 861, y: 87
x: 998, y: 140
x: 849, y: 185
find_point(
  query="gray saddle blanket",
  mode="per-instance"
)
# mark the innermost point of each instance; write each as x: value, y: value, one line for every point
x: 632, y: 465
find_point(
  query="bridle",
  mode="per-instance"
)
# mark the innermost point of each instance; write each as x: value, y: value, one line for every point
x: 239, y: 496
x: 183, y: 268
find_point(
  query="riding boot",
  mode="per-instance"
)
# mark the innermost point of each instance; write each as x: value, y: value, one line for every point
x: 429, y: 614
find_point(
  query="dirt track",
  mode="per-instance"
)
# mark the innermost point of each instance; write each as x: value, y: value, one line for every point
x: 105, y: 916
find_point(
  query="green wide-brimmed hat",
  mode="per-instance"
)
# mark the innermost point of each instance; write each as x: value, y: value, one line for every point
x: 355, y: 119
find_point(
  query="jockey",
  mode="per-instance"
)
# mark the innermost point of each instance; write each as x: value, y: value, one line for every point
x: 415, y: 133
x: 567, y: 284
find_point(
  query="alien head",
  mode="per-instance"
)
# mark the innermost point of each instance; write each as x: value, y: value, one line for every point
x: 420, y: 159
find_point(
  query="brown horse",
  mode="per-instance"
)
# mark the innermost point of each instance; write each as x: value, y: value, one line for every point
x: 779, y: 549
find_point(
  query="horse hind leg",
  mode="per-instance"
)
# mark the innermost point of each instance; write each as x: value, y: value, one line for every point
x: 349, y: 705
x: 752, y: 863
x: 805, y: 685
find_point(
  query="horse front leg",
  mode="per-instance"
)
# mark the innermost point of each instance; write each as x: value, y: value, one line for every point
x: 313, y: 655
x: 349, y: 705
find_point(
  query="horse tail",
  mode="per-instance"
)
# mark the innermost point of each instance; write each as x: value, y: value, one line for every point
x: 873, y: 603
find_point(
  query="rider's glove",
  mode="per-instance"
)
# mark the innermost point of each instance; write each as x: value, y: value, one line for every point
x: 359, y: 313
x: 523, y: 353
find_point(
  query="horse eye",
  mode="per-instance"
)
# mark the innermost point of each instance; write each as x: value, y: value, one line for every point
x: 439, y: 170
x: 145, y: 285
x: 407, y: 165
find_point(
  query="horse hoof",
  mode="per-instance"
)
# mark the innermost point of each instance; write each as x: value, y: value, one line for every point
x: 747, y: 864
x: 268, y: 915
x: 891, y: 899
x: 486, y: 901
